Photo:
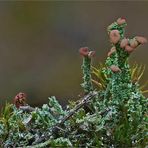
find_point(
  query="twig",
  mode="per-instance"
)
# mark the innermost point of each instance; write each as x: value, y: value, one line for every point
x: 84, y: 101
x: 27, y: 108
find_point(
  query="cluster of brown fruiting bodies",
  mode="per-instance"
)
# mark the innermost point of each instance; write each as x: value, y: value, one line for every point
x: 128, y: 45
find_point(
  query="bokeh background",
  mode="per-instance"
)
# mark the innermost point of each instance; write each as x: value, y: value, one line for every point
x: 39, y: 44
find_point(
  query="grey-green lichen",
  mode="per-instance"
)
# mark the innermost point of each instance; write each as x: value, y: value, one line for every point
x: 116, y: 116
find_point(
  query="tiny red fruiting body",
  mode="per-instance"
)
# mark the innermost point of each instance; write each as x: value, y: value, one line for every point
x: 20, y: 99
x: 121, y: 21
x: 133, y: 43
x: 129, y: 49
x: 115, y: 68
x: 114, y: 36
x: 123, y: 43
x: 84, y: 51
x: 141, y: 40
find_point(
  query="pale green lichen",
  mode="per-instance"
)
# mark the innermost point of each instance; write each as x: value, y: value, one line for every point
x: 117, y: 115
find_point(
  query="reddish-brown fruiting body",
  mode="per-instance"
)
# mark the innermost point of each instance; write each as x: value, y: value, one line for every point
x: 115, y: 68
x: 114, y: 36
x: 121, y: 21
x: 129, y: 49
x: 141, y: 40
x: 123, y: 43
x: 112, y: 50
x: 84, y: 51
x: 20, y: 99
x: 133, y: 43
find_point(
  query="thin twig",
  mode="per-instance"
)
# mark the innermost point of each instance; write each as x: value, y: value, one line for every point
x: 84, y: 101
x: 27, y: 108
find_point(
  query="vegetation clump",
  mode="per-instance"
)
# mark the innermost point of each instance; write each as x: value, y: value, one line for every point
x: 112, y: 113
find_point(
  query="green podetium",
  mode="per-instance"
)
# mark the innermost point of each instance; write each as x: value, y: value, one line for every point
x: 86, y: 67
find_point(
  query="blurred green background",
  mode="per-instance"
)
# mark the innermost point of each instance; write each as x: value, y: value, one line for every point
x: 39, y: 44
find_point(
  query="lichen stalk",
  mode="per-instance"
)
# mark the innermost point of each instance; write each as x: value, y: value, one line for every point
x: 86, y: 67
x: 119, y: 80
